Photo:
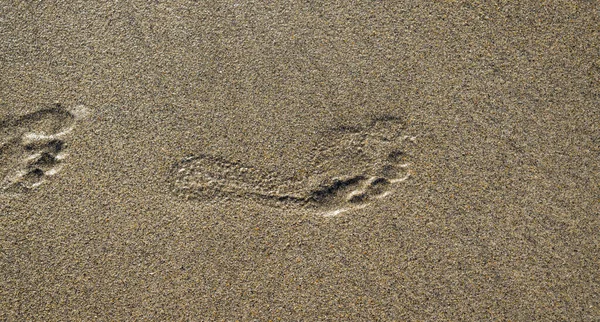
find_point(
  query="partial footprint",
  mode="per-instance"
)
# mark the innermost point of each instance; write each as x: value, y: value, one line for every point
x: 211, y: 178
x: 32, y: 146
x: 351, y: 167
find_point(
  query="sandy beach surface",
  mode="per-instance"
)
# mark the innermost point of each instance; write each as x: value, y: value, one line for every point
x: 300, y: 160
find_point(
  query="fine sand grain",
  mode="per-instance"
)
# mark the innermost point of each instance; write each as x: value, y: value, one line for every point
x: 300, y: 160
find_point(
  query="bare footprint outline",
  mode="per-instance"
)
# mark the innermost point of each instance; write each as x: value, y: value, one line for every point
x: 374, y: 166
x: 33, y: 146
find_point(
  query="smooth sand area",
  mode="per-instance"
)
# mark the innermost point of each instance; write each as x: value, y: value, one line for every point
x: 300, y: 160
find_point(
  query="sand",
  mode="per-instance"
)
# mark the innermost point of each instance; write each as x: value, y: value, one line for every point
x: 236, y: 160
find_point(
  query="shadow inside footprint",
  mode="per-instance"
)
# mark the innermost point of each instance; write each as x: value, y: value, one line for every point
x: 395, y: 156
x: 44, y: 159
x: 52, y: 146
x: 334, y: 194
x: 46, y: 121
x: 32, y: 177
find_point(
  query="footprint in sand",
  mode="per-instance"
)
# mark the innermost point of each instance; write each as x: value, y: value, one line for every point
x: 33, y: 146
x: 351, y: 167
